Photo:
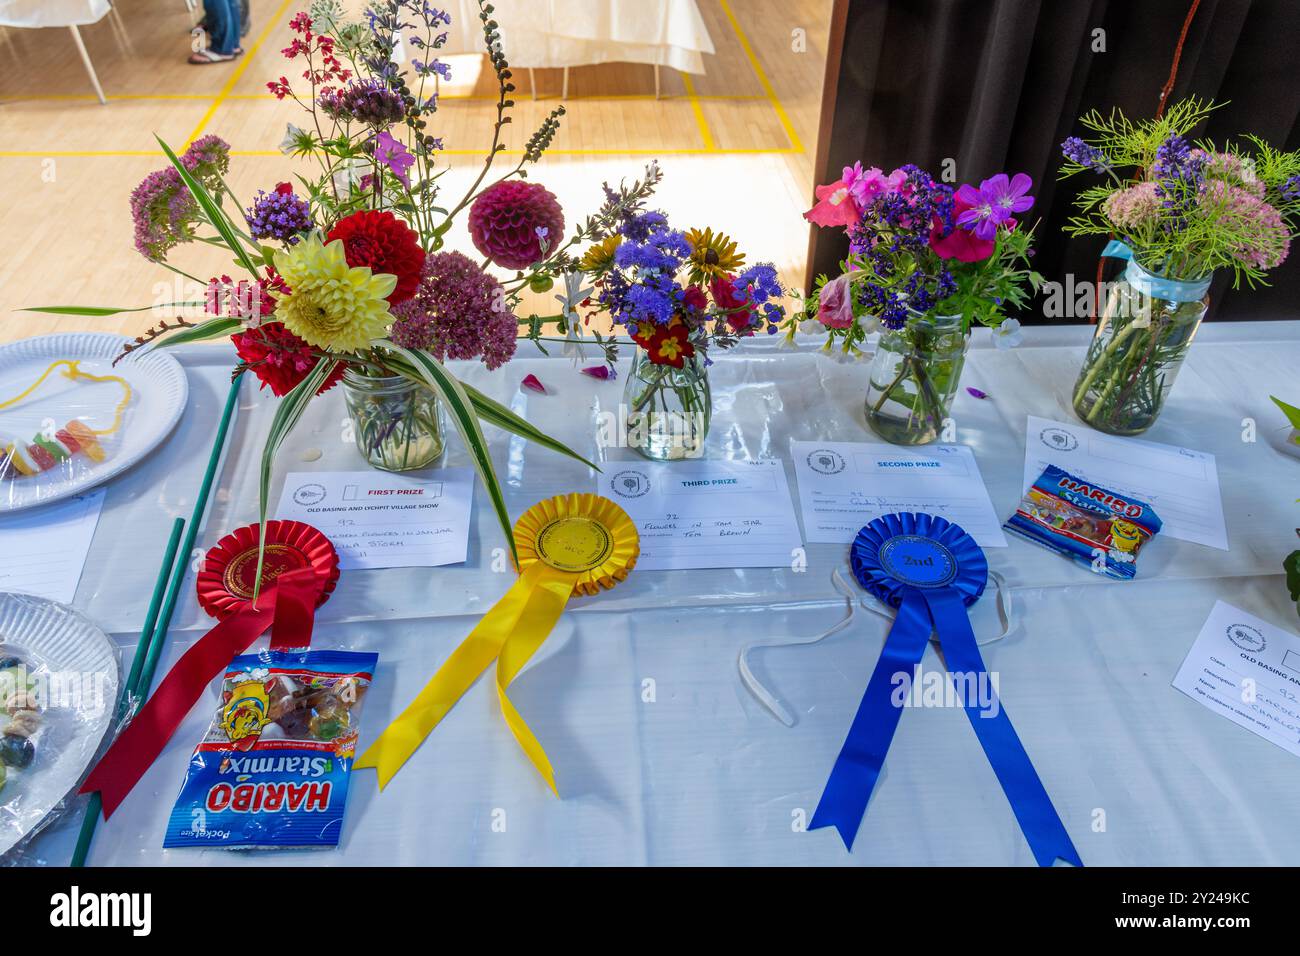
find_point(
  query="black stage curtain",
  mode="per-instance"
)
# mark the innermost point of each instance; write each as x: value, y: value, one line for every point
x: 996, y: 85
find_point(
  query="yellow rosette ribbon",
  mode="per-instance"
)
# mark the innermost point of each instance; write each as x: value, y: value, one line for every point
x: 571, y: 544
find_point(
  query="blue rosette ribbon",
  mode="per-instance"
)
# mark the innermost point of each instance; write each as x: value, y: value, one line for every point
x: 931, y: 570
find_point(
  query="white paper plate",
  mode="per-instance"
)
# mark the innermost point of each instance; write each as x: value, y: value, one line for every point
x: 159, y: 393
x: 54, y: 639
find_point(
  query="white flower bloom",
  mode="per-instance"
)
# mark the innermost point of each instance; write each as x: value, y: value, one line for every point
x: 1008, y: 334
x: 811, y: 327
x: 574, y: 294
x: 787, y: 344
x: 868, y: 323
x: 293, y: 138
x: 349, y: 173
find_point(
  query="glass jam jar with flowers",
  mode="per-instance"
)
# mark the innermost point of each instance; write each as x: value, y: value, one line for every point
x: 926, y: 262
x: 677, y: 295
x: 1176, y: 212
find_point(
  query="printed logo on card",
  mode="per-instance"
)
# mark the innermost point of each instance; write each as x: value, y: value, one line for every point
x: 826, y: 462
x: 307, y: 495
x: 630, y: 484
x: 1247, y: 638
x: 1058, y: 439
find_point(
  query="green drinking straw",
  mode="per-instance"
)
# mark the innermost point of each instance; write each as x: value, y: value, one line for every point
x: 96, y: 804
x: 144, y: 675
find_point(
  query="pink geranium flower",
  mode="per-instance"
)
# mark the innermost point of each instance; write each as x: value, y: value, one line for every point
x: 960, y: 244
x: 993, y: 203
x: 866, y: 185
x: 390, y: 152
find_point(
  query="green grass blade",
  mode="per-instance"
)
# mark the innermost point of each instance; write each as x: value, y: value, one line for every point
x: 211, y: 211
x: 101, y: 310
x: 494, y: 413
x: 423, y: 368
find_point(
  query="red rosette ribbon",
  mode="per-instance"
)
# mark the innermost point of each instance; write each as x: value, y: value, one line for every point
x: 299, y: 571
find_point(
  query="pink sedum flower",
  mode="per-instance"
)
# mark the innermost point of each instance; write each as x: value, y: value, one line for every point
x: 1133, y: 207
x: 457, y: 312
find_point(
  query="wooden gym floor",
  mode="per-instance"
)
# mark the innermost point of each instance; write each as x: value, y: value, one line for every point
x: 735, y: 145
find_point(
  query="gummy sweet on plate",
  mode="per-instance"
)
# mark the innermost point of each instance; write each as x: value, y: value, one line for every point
x: 20, y: 458
x: 20, y: 714
x: 46, y: 451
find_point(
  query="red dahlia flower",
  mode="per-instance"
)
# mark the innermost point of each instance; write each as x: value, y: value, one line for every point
x: 384, y: 243
x: 279, y: 358
x: 509, y: 220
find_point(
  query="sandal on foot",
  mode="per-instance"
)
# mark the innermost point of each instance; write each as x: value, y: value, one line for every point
x: 204, y: 57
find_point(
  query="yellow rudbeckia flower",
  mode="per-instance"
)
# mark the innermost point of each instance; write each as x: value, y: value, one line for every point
x: 330, y: 304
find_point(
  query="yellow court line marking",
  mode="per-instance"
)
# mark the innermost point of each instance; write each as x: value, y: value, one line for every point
x: 271, y: 23
x: 762, y: 78
x: 456, y: 97
x: 706, y: 135
x: 630, y: 151
x: 72, y: 153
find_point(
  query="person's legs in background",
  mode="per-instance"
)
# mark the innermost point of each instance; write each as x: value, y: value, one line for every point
x: 223, y: 22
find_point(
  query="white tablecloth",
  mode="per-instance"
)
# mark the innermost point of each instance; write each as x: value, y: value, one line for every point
x: 662, y: 755
x: 51, y: 13
x: 558, y: 33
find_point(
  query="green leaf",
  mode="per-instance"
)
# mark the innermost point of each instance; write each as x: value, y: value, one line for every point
x: 212, y: 329
x: 211, y: 211
x: 423, y: 368
x: 100, y: 310
x: 494, y: 413
x: 1290, y: 411
x: 1291, y: 564
x: 287, y: 415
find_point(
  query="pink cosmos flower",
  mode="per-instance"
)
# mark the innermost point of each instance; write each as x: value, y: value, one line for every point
x: 835, y: 304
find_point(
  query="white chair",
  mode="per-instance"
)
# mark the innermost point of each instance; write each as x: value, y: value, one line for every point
x: 61, y: 13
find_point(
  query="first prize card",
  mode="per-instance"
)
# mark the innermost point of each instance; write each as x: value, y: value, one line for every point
x: 706, y: 514
x: 378, y: 520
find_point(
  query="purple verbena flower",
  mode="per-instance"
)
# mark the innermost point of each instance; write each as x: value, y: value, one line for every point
x: 278, y: 215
